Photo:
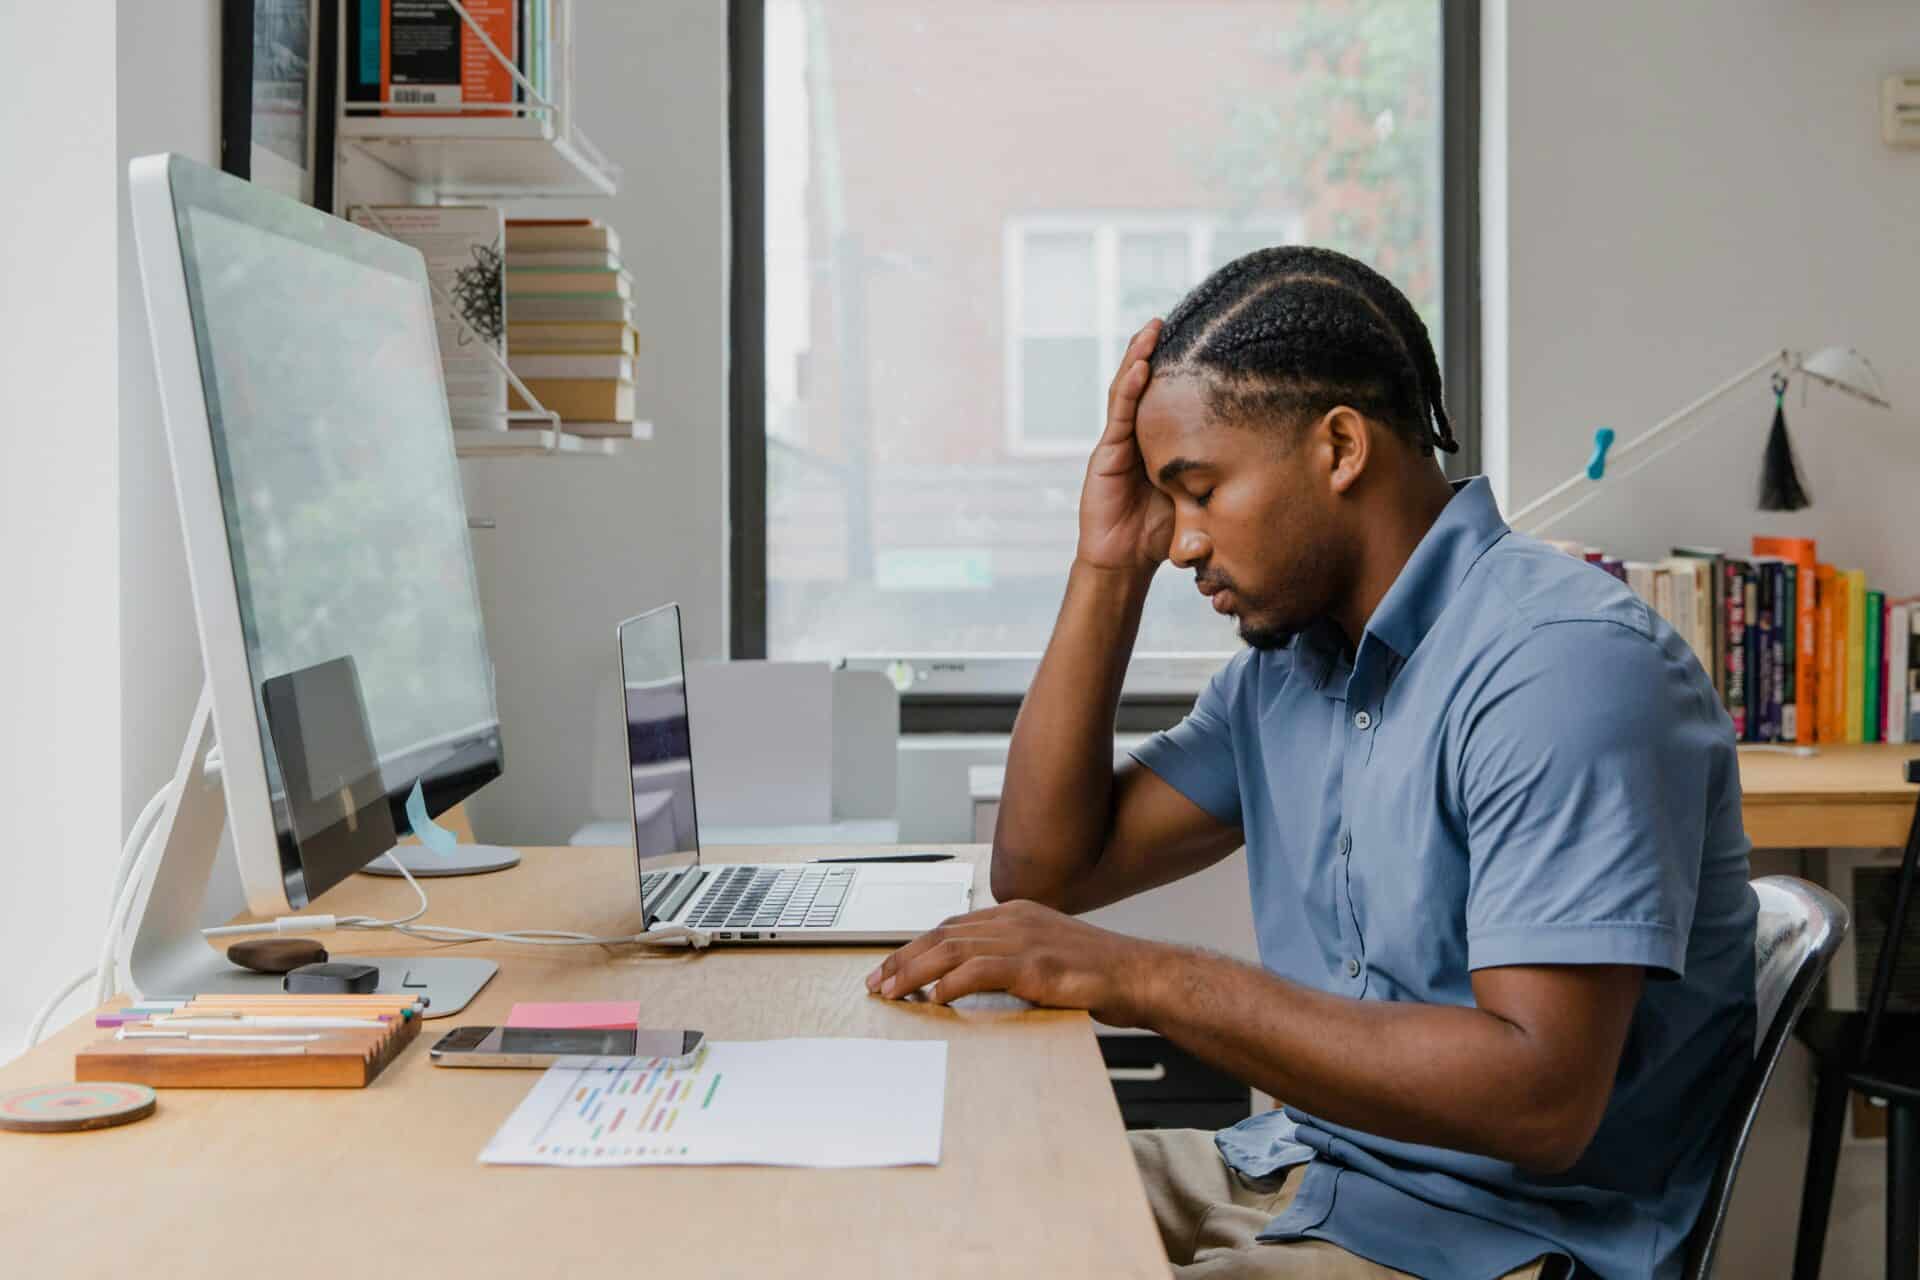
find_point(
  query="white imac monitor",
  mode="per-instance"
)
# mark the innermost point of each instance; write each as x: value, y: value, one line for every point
x: 326, y: 536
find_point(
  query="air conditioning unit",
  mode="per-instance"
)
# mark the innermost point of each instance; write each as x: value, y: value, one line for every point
x: 1864, y: 880
x: 1900, y: 109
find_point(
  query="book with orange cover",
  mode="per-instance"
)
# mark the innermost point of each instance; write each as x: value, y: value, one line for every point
x: 428, y: 56
x: 1827, y: 645
x: 1800, y: 553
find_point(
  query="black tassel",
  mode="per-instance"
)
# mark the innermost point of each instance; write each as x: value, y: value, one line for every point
x: 1780, y: 486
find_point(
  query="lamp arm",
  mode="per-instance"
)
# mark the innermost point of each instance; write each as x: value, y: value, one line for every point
x: 1772, y: 360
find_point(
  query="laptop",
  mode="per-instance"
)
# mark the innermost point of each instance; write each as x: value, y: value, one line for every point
x: 780, y: 902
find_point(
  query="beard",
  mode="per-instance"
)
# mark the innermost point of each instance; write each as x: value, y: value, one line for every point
x: 1260, y: 634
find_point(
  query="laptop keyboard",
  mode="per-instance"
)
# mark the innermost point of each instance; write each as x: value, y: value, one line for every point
x: 773, y: 898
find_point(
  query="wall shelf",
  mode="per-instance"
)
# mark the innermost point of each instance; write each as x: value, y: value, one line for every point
x: 483, y: 157
x: 491, y: 152
x: 529, y: 442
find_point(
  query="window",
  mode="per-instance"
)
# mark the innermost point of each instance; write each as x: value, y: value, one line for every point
x: 1077, y: 286
x: 948, y: 218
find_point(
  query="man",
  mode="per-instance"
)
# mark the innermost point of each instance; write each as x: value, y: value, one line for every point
x: 1490, y: 804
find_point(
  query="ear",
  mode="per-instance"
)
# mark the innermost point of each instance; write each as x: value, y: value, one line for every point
x: 1348, y: 439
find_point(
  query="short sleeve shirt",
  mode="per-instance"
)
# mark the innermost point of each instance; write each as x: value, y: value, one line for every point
x: 1519, y: 764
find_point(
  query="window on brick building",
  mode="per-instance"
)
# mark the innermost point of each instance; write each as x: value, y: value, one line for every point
x: 950, y: 216
x: 1077, y: 286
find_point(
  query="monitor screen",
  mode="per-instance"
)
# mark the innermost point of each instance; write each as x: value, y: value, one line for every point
x: 342, y: 499
x: 653, y: 669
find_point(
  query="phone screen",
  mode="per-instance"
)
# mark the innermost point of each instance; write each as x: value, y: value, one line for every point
x: 612, y: 1044
x: 568, y: 1041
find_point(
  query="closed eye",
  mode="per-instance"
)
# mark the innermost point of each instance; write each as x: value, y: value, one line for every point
x: 1201, y: 500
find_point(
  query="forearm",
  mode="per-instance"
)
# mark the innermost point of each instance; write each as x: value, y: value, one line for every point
x: 1056, y: 804
x: 1439, y: 1075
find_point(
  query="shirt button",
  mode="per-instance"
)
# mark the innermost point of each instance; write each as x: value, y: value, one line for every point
x: 1361, y: 720
x: 1346, y: 843
x: 1353, y: 968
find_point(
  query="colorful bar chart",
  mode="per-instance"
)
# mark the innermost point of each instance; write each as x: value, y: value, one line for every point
x: 823, y: 1103
x: 626, y: 1108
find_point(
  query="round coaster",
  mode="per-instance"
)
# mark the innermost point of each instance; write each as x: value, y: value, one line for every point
x: 64, y: 1108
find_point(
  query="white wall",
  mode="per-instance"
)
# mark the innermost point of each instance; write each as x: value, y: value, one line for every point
x: 169, y: 100
x: 1691, y: 186
x: 582, y: 543
x: 60, y: 683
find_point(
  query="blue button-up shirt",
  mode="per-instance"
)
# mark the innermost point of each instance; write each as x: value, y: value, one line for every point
x: 1520, y: 764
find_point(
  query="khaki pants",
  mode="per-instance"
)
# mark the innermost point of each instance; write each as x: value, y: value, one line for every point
x: 1209, y: 1214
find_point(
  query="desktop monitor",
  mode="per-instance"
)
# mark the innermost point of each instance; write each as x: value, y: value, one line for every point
x: 325, y: 527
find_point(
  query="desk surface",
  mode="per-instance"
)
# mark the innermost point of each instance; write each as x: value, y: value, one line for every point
x: 1035, y: 1177
x: 1842, y: 797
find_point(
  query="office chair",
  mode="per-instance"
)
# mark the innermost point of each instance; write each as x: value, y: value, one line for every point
x: 1876, y: 1054
x: 1799, y: 928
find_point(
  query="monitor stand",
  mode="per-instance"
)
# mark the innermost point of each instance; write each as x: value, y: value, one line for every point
x: 163, y: 954
x: 461, y: 860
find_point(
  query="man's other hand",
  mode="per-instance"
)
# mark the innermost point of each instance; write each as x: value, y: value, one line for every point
x: 1031, y: 951
x: 1125, y: 523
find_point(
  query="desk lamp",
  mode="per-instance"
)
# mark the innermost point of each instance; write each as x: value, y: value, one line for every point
x: 1841, y: 368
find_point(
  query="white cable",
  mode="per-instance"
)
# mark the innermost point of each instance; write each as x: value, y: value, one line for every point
x: 280, y: 924
x: 39, y: 1024
x: 667, y: 935
x: 136, y: 862
x: 129, y: 870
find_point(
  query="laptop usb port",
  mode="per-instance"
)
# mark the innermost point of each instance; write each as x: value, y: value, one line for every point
x: 748, y: 936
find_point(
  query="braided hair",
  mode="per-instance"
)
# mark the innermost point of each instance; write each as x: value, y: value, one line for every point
x: 1291, y: 332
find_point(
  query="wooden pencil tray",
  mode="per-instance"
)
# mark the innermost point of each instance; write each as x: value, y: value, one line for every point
x: 338, y: 1062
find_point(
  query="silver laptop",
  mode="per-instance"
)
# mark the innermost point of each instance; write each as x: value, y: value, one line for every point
x: 746, y: 902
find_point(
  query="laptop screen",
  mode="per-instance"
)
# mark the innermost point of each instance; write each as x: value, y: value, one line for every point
x: 653, y: 673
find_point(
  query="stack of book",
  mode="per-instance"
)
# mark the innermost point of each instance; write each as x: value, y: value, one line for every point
x: 1799, y: 651
x: 570, y: 334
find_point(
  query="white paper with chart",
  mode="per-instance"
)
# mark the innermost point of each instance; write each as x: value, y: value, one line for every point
x: 831, y: 1104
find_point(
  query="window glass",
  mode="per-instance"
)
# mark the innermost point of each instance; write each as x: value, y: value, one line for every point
x: 970, y: 206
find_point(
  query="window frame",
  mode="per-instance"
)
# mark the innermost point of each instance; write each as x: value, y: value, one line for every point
x: 747, y: 426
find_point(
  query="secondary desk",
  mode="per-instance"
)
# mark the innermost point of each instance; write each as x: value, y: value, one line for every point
x: 1035, y: 1177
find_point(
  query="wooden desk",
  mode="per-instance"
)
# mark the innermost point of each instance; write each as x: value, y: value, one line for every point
x: 1035, y: 1177
x: 1844, y: 797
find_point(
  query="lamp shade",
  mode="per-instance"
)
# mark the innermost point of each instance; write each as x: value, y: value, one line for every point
x: 1845, y: 369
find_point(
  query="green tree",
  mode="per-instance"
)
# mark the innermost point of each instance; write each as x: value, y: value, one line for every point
x: 1345, y: 132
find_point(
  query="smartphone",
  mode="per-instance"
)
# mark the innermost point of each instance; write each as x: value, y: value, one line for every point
x: 543, y: 1046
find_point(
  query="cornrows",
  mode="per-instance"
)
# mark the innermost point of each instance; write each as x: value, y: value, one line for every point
x: 1291, y: 332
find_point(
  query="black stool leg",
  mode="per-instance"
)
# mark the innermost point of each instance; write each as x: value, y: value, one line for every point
x: 1823, y: 1160
x: 1903, y: 1191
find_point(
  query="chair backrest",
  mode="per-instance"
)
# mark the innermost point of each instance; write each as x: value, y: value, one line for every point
x: 1894, y: 944
x: 1799, y: 927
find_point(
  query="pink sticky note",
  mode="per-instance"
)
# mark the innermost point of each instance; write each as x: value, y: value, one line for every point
x: 580, y: 1015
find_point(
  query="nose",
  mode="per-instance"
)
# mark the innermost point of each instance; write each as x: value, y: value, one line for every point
x: 1189, y: 546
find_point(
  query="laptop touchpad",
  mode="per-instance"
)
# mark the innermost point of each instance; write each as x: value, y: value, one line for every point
x: 901, y: 904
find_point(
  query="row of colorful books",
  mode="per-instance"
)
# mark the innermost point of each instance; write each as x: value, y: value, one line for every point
x: 570, y: 334
x: 1799, y: 651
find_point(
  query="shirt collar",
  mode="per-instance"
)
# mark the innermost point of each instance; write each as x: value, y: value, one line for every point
x: 1468, y: 525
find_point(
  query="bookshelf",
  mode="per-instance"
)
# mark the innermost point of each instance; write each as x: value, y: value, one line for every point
x: 488, y: 153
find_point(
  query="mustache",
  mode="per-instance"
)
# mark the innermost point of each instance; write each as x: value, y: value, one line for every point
x: 1211, y: 582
